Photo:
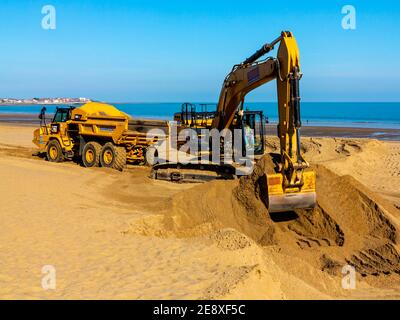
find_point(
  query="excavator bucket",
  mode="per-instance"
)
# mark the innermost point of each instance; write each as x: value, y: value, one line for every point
x: 280, y: 200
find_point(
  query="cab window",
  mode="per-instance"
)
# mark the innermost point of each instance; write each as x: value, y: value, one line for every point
x: 61, y: 115
x: 253, y: 132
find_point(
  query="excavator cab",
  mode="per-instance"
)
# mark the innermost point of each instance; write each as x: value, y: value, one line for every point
x: 253, y: 130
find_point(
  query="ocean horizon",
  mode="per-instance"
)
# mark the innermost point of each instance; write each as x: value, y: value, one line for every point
x: 385, y: 115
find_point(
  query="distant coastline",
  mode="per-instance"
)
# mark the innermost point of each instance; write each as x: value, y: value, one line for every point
x: 39, y: 104
x: 41, y: 101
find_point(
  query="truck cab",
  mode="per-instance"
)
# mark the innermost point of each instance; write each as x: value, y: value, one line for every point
x: 62, y: 114
x: 53, y: 138
x: 60, y: 119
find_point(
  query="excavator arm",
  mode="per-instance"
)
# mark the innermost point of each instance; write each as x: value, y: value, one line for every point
x: 241, y: 80
x: 293, y: 187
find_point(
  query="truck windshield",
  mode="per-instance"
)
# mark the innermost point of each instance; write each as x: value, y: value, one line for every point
x: 61, y: 115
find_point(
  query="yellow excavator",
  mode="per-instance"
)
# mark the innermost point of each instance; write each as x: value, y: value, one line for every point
x: 293, y: 185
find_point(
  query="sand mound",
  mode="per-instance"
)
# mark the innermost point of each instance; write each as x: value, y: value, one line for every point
x: 213, y: 206
x: 239, y: 204
x: 349, y: 225
x: 316, y: 228
x: 137, y: 247
x: 370, y: 237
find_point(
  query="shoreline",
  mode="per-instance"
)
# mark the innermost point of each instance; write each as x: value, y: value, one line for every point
x: 343, y: 132
x: 39, y: 104
x: 28, y: 119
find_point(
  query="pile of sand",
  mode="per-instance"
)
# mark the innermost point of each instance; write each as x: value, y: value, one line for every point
x: 122, y: 235
x: 349, y: 225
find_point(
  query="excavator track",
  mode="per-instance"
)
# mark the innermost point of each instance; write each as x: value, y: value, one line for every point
x: 177, y: 172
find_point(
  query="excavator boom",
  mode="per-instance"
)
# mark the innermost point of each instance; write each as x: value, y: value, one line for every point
x: 293, y: 186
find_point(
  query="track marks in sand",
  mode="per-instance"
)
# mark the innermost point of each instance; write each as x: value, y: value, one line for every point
x: 16, y: 151
x: 315, y: 228
x: 228, y: 280
x: 375, y: 163
x: 382, y: 260
x: 348, y: 147
x: 377, y: 259
x: 379, y: 224
x: 391, y: 161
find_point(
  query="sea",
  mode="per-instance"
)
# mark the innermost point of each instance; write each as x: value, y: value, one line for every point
x: 385, y: 115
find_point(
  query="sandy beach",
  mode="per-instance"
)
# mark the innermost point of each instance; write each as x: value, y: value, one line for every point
x: 122, y: 235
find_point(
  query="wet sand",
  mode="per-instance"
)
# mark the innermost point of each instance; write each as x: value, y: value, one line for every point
x: 344, y: 132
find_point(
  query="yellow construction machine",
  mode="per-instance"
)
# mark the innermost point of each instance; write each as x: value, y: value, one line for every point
x: 293, y: 185
x: 97, y: 134
x: 101, y: 135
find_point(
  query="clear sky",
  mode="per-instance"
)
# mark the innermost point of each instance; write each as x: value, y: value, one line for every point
x: 173, y: 51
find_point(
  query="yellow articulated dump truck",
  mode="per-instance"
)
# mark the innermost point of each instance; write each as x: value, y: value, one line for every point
x: 98, y: 134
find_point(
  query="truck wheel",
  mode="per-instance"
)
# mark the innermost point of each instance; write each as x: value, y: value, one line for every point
x: 54, y: 151
x: 91, y: 154
x: 113, y: 156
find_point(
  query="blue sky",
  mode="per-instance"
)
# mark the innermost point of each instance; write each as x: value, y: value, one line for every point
x: 173, y: 51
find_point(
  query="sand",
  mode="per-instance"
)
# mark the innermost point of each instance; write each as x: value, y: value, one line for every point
x: 121, y: 235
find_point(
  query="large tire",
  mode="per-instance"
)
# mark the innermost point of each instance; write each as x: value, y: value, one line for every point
x: 91, y: 154
x: 54, y: 151
x: 113, y: 156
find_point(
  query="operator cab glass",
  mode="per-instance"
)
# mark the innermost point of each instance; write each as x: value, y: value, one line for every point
x: 253, y: 131
x: 62, y: 115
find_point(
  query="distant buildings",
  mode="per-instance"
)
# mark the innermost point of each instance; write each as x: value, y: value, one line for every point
x: 12, y: 101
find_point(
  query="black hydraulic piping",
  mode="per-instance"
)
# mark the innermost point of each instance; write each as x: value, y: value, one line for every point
x: 264, y: 49
x: 295, y: 103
